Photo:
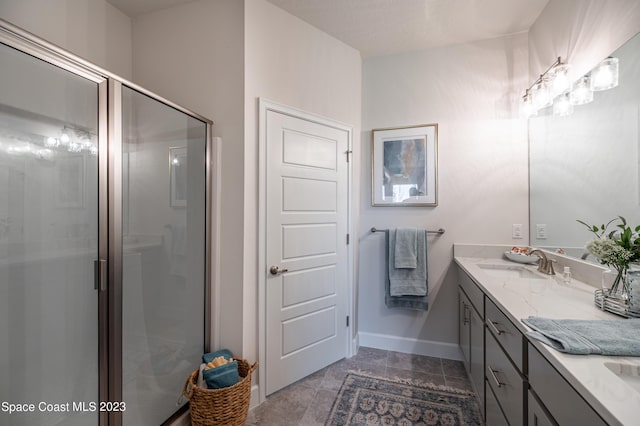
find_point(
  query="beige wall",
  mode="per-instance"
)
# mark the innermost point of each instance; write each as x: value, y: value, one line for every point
x: 91, y: 29
x: 290, y: 62
x: 582, y: 32
x: 470, y: 90
x: 193, y: 55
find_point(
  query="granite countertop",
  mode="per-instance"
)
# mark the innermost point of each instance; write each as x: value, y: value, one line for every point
x: 616, y: 401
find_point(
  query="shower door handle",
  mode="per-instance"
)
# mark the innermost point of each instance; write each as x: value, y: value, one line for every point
x: 100, y: 274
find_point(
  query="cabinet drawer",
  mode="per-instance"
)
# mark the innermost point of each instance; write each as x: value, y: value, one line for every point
x: 563, y: 402
x: 494, y: 416
x: 473, y: 292
x: 506, y: 333
x: 505, y: 381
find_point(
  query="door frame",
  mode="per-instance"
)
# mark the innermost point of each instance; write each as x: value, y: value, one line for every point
x: 265, y: 105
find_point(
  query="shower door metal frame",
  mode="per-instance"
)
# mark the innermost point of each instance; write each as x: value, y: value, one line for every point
x: 109, y: 285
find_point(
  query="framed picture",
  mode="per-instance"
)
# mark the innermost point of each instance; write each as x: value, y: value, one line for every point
x: 69, y: 172
x: 178, y: 168
x: 404, y: 167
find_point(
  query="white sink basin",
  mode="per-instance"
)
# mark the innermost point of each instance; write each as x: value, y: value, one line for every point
x: 509, y: 271
x: 629, y: 373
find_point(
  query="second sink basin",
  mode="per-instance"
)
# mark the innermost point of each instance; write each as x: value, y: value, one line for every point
x: 509, y: 271
x: 629, y: 373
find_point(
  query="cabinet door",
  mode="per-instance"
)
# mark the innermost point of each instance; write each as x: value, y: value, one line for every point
x: 464, y: 325
x: 538, y: 415
x: 477, y: 352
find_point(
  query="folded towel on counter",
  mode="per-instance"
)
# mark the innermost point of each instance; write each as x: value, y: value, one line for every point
x: 583, y: 337
x: 408, y: 282
x: 405, y: 253
x: 407, y: 301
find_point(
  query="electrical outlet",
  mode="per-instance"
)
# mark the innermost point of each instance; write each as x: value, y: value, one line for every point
x: 516, y: 230
x: 541, y: 231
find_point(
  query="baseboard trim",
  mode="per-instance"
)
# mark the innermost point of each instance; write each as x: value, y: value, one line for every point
x: 410, y: 346
x: 255, y: 397
x: 183, y: 420
x: 355, y: 344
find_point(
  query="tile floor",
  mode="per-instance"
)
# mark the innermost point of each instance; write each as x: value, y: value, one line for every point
x: 308, y: 401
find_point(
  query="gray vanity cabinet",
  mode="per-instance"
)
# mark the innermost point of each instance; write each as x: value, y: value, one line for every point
x: 471, y: 332
x: 564, y: 404
x: 514, y: 381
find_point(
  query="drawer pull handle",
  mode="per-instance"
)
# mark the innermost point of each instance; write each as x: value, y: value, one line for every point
x: 495, y: 378
x: 496, y: 330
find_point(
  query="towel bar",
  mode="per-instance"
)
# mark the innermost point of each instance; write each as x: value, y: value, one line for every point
x: 439, y: 231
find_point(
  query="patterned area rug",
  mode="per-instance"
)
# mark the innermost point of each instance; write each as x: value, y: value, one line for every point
x: 365, y: 400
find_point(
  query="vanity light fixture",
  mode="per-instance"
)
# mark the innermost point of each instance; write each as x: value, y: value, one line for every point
x: 562, y: 106
x: 605, y: 75
x: 542, y: 94
x: 527, y: 109
x: 554, y: 81
x: 581, y: 93
x: 560, y: 82
x: 64, y: 136
x: 51, y: 142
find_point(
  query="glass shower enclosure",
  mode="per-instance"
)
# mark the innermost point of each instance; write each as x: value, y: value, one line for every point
x: 104, y: 255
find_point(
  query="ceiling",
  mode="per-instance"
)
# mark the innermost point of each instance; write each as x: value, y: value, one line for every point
x: 385, y: 27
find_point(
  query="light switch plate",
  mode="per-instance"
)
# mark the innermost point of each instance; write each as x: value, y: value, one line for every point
x: 516, y: 230
x: 541, y: 231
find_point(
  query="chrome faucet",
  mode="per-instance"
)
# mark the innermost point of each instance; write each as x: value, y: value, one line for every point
x: 544, y: 265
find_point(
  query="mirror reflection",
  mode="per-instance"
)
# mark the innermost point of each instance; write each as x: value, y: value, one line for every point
x: 586, y: 165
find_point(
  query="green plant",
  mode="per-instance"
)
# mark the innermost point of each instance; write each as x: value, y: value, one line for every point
x: 616, y: 248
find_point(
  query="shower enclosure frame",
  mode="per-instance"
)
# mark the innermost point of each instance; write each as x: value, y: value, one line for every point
x: 109, y: 265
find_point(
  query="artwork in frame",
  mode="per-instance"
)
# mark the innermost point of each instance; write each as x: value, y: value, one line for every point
x: 404, y: 167
x: 178, y: 168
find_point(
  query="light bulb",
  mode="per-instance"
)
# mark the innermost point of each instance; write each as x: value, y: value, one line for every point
x: 581, y: 93
x: 541, y: 95
x: 527, y: 109
x: 605, y: 75
x: 74, y: 147
x: 560, y: 79
x: 561, y: 106
x: 51, y: 142
x: 64, y: 138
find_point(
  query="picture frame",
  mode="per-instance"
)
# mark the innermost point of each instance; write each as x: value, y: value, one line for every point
x: 178, y: 176
x: 404, y: 166
x: 70, y: 181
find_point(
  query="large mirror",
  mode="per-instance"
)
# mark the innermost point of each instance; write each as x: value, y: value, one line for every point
x: 586, y: 165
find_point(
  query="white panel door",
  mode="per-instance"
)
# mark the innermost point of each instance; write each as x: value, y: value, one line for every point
x: 306, y: 296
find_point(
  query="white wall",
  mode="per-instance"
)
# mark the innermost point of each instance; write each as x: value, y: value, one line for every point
x: 470, y: 90
x: 193, y: 55
x: 91, y: 29
x: 293, y: 63
x: 582, y: 32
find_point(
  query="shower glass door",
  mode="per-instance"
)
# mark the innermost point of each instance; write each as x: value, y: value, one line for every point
x: 164, y: 254
x: 48, y: 243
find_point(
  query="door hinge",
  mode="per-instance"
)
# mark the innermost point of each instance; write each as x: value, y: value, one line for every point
x: 347, y: 239
x: 348, y: 154
x: 347, y: 320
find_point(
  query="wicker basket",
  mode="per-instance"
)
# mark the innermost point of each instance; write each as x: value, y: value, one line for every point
x: 226, y: 406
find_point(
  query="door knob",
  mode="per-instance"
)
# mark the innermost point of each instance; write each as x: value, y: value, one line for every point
x: 275, y: 270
